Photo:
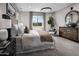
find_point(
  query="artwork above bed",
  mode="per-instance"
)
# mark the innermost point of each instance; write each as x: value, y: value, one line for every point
x: 10, y: 9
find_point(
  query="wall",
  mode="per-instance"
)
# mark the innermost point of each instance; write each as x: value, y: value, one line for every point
x: 17, y: 16
x: 60, y: 15
x: 25, y: 18
x: 2, y: 9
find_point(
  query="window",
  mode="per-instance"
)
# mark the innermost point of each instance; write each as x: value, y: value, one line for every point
x: 38, y: 22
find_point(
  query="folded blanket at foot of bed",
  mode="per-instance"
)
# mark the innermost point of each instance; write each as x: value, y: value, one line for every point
x: 45, y: 36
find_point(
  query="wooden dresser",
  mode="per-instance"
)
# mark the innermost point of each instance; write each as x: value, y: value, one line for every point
x: 69, y: 33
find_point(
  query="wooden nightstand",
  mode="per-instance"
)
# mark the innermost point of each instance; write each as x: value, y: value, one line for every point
x: 9, y: 49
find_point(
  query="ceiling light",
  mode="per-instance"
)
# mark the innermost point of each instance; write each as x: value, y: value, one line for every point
x: 46, y: 9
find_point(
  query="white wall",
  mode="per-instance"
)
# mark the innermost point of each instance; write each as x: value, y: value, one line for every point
x: 60, y: 15
x: 2, y: 9
x: 24, y: 17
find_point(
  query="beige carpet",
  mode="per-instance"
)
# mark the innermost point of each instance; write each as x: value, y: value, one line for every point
x: 64, y: 47
x: 43, y: 53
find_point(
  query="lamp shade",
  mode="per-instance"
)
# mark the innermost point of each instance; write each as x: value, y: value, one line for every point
x: 3, y: 34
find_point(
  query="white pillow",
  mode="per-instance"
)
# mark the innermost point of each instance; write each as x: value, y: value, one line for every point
x: 14, y: 30
x: 17, y: 29
x: 20, y: 28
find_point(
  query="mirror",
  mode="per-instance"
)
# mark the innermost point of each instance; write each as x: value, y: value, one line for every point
x: 72, y: 18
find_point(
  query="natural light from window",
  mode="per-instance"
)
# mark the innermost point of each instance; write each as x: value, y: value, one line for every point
x: 37, y: 23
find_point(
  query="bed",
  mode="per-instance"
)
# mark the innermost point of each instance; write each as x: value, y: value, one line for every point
x: 33, y: 41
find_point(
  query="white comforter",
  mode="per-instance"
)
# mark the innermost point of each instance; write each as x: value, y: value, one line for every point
x: 31, y: 40
x: 36, y: 38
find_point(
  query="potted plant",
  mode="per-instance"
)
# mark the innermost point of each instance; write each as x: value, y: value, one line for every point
x: 51, y: 21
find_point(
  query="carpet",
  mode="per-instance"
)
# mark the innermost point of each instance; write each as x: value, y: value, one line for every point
x: 48, y: 52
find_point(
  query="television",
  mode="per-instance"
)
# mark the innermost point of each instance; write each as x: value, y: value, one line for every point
x: 10, y: 9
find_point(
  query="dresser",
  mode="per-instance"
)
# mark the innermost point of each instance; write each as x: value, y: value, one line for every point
x: 70, y: 33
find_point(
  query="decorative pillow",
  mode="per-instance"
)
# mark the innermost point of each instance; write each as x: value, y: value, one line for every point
x: 14, y: 30
x: 20, y: 29
x: 17, y: 29
x: 26, y: 30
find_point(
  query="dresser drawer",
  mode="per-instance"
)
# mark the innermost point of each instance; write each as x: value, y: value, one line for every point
x: 69, y: 33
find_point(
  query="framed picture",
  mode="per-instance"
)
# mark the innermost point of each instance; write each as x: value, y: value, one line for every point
x: 10, y: 10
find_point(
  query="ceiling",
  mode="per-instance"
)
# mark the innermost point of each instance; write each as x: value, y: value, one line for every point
x: 36, y: 7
